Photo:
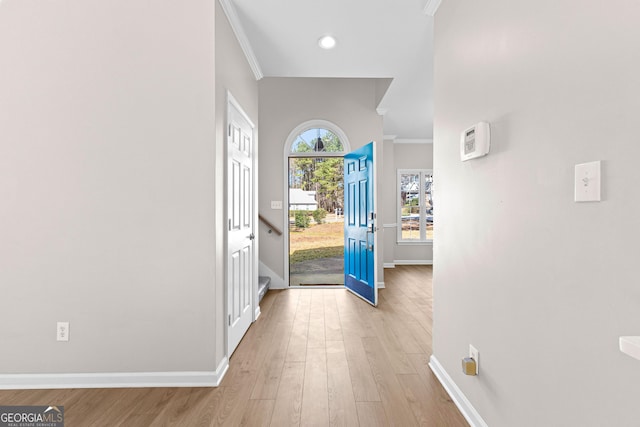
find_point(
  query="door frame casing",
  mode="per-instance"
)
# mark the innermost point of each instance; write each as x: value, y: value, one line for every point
x: 255, y: 308
x: 303, y: 127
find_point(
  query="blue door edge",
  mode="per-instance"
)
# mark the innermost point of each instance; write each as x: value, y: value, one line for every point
x: 361, y: 290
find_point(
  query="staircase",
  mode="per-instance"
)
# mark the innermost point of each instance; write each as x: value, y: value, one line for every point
x: 264, y: 281
x: 263, y: 286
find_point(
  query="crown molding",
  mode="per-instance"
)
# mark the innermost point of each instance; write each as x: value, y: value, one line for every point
x: 382, y: 111
x: 431, y: 7
x: 238, y: 30
x: 389, y: 137
x: 413, y: 141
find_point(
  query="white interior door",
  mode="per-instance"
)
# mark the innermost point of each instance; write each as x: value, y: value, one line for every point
x: 242, y: 276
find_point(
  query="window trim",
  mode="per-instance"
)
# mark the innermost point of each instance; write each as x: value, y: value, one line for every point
x: 421, y: 203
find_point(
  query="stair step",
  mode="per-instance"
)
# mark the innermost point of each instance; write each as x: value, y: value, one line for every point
x: 263, y: 286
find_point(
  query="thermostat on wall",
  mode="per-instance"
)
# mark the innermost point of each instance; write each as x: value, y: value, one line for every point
x: 475, y: 141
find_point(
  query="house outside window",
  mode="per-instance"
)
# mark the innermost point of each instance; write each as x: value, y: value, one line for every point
x: 415, y: 205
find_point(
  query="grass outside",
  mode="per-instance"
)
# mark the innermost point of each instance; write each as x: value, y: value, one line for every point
x: 318, y: 241
x: 327, y: 241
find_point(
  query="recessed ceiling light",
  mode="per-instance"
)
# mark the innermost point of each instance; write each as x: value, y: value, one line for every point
x: 327, y: 42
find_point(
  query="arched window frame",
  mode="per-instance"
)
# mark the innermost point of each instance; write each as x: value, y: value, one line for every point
x: 315, y: 124
x: 293, y: 135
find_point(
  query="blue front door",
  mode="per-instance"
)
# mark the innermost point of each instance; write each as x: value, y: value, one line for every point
x: 359, y: 224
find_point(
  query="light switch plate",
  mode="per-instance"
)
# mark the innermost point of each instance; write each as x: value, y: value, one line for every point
x: 587, y: 182
x: 276, y: 204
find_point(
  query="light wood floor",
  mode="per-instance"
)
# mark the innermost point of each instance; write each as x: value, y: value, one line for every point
x: 315, y: 357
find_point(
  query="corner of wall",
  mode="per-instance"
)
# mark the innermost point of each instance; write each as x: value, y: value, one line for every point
x: 277, y: 282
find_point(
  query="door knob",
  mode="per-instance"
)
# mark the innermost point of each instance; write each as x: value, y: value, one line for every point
x: 252, y: 236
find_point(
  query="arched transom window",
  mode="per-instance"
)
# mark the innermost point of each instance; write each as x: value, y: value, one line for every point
x: 317, y: 140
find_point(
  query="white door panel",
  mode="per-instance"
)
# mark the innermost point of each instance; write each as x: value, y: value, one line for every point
x: 241, y: 275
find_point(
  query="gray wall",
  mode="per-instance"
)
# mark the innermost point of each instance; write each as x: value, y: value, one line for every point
x: 107, y: 184
x: 288, y: 102
x: 233, y: 75
x: 542, y: 286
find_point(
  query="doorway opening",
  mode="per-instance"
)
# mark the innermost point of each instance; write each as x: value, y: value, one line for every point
x: 315, y: 220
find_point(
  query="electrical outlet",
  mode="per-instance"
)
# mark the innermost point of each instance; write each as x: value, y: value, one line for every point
x: 62, y: 331
x: 475, y: 355
x: 276, y: 204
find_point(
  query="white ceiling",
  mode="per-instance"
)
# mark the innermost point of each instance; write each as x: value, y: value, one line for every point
x: 376, y: 38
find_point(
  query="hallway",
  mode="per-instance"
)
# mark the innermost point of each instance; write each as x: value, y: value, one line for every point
x: 315, y: 357
x: 323, y: 357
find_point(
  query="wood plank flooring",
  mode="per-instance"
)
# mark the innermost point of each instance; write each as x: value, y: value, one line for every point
x: 315, y: 357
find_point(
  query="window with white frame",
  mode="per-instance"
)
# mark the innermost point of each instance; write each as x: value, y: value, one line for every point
x: 415, y: 205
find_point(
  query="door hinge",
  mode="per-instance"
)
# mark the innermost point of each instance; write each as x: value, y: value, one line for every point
x: 229, y: 320
x: 229, y: 223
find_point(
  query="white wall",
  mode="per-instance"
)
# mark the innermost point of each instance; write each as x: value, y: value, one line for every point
x: 233, y: 75
x: 542, y: 286
x: 388, y: 188
x: 107, y: 183
x: 288, y: 102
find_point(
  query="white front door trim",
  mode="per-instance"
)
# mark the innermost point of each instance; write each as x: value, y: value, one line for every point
x: 303, y: 127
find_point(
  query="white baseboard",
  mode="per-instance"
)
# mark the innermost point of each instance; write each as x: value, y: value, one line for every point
x: 221, y: 370
x: 115, y: 379
x: 407, y: 262
x: 413, y: 262
x: 277, y: 282
x: 380, y: 285
x: 466, y: 408
x: 256, y: 313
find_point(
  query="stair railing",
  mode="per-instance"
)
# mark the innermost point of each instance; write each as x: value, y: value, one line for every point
x: 272, y: 228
